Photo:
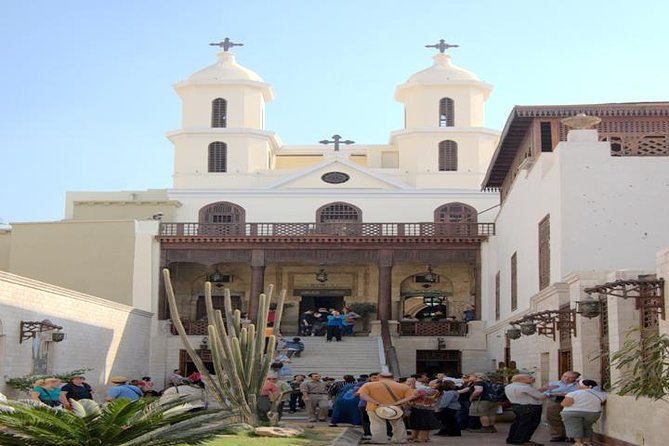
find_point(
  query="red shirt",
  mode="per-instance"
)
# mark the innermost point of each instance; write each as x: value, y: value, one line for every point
x: 269, y: 388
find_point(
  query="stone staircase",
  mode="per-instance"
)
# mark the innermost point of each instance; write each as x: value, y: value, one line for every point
x: 352, y: 356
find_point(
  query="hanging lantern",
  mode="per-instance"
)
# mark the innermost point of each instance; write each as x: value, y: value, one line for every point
x: 528, y: 328
x: 589, y: 307
x: 322, y: 276
x: 513, y: 333
x: 430, y: 276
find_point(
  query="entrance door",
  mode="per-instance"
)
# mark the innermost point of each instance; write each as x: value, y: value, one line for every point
x: 439, y: 361
x: 315, y: 302
x: 187, y: 366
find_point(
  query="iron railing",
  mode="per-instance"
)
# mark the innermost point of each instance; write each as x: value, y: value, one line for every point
x: 327, y: 229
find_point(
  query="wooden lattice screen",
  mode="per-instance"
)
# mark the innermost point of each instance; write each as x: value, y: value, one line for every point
x: 497, y: 296
x: 222, y: 212
x: 604, y: 348
x: 544, y: 252
x: 514, y: 281
x: 338, y: 212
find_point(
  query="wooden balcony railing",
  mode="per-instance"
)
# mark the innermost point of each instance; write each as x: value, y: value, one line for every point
x: 438, y: 328
x: 194, y: 328
x: 327, y: 229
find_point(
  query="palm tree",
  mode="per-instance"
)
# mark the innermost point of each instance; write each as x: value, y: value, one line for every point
x: 119, y: 423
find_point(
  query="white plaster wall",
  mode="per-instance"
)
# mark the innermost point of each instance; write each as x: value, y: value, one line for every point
x: 301, y: 206
x: 534, y: 195
x: 422, y: 103
x: 248, y: 151
x: 245, y: 108
x: 110, y: 338
x: 614, y: 211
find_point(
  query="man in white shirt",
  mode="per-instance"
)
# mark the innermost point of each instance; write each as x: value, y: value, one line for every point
x: 526, y: 403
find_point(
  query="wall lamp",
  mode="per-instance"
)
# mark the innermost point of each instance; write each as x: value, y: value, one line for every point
x: 30, y: 330
x: 647, y: 291
x: 545, y: 323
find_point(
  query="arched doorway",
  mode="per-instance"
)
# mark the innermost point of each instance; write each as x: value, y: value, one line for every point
x: 425, y: 296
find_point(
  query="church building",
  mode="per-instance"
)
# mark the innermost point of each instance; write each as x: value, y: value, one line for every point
x: 454, y: 232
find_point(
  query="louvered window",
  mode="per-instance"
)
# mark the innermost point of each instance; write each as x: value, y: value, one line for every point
x: 497, y: 296
x: 448, y: 155
x: 218, y: 157
x: 544, y: 252
x: 338, y: 213
x: 446, y: 112
x: 219, y: 112
x: 514, y: 282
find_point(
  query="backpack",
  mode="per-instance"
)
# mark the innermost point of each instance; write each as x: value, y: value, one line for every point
x: 494, y: 392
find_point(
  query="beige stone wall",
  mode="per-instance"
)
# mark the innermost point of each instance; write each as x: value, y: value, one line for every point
x: 91, y: 257
x: 110, y: 338
x: 103, y: 210
x: 472, y: 347
x: 296, y: 161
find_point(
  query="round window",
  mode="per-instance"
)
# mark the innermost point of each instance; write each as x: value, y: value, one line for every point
x: 335, y: 177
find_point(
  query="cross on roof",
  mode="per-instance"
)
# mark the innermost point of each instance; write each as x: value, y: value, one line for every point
x: 336, y: 140
x: 226, y: 44
x: 442, y: 46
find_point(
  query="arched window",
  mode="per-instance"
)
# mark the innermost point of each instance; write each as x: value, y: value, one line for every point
x: 219, y: 112
x: 455, y: 213
x: 339, y: 218
x: 448, y: 156
x: 218, y: 157
x: 339, y: 213
x: 446, y: 112
x: 222, y: 212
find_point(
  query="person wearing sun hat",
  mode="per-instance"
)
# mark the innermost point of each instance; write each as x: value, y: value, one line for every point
x: 76, y: 389
x: 383, y: 394
x: 123, y: 390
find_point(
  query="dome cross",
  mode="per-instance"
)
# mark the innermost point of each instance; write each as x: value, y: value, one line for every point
x: 336, y: 140
x: 442, y: 46
x: 226, y: 44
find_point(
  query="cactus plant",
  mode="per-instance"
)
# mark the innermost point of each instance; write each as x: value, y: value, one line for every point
x: 239, y: 356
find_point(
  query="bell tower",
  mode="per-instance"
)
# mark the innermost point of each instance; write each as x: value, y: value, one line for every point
x: 444, y: 141
x: 223, y: 124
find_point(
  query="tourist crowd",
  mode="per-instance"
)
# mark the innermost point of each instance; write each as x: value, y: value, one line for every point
x: 388, y: 408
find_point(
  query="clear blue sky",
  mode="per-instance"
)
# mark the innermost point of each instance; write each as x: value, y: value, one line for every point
x: 86, y: 86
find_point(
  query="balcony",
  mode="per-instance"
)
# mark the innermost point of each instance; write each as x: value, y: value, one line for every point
x: 429, y: 328
x: 316, y: 231
x: 193, y: 328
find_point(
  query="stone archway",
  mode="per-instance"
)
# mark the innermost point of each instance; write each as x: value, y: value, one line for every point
x: 426, y: 300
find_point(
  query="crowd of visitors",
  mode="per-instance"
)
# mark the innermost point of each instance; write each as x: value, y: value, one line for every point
x: 389, y: 408
x: 328, y: 322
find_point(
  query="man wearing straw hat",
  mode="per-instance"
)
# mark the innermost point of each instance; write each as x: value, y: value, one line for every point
x: 381, y: 397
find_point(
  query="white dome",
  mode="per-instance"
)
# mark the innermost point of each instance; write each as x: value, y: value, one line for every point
x: 226, y: 69
x: 442, y: 71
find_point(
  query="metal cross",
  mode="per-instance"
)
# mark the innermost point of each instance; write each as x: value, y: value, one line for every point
x: 336, y: 140
x: 226, y: 44
x: 441, y: 46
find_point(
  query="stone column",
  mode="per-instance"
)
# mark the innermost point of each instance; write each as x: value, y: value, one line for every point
x: 257, y: 281
x: 385, y: 264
